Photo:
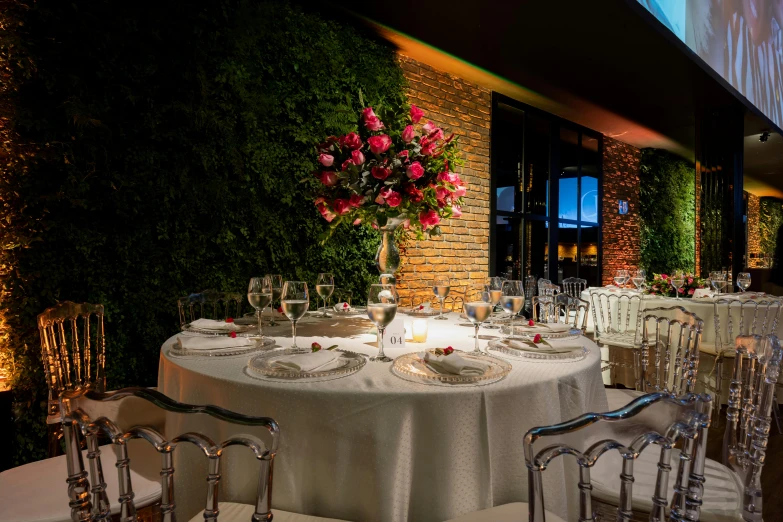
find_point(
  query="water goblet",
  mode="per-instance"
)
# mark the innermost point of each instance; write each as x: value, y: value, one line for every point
x: 513, y: 300
x: 325, y: 286
x: 620, y: 277
x: 277, y: 291
x: 381, y: 309
x: 477, y: 312
x: 743, y: 280
x: 295, y: 302
x: 638, y: 279
x: 491, y: 294
x: 677, y: 280
x: 259, y: 295
x: 440, y: 288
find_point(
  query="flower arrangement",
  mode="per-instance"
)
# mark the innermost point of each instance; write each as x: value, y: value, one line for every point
x: 661, y: 285
x: 391, y: 167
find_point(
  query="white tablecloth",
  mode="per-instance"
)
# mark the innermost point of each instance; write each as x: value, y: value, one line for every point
x: 371, y: 446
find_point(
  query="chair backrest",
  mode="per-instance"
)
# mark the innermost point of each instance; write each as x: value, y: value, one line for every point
x: 141, y: 413
x: 616, y: 313
x: 574, y: 286
x: 735, y: 317
x: 209, y: 304
x: 572, y: 310
x: 540, y: 284
x: 671, y: 337
x: 668, y: 421
x: 73, y: 347
x: 751, y: 394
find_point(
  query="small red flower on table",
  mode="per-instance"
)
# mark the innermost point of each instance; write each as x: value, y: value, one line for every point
x: 233, y: 335
x: 316, y: 347
x: 230, y: 320
x: 448, y: 351
x: 279, y: 309
x: 531, y: 323
x: 537, y: 338
x: 421, y: 307
x: 345, y: 306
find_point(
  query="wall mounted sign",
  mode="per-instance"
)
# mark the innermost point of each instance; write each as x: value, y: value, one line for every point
x: 622, y: 206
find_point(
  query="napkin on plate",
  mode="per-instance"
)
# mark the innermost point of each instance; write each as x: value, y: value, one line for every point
x: 308, y: 362
x: 452, y: 364
x: 211, y: 324
x: 543, y: 346
x: 546, y: 327
x: 189, y: 342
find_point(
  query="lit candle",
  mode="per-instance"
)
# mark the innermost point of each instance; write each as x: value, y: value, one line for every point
x: 419, y: 330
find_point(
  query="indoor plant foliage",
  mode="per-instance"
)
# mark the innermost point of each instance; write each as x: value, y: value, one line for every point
x: 661, y: 285
x: 393, y: 167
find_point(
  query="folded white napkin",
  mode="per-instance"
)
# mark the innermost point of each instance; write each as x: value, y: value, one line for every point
x: 546, y: 327
x: 452, y: 364
x: 340, y: 307
x: 211, y: 324
x: 308, y: 362
x: 192, y: 342
x: 702, y: 292
x: 542, y: 347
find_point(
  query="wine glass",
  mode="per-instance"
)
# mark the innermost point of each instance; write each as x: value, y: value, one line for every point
x: 513, y: 299
x: 277, y: 291
x: 718, y: 280
x: 492, y: 292
x: 638, y: 279
x: 620, y: 277
x: 325, y: 286
x: 381, y: 309
x: 259, y: 295
x: 478, y: 312
x: 743, y: 280
x: 295, y: 302
x: 441, y: 288
x: 677, y: 280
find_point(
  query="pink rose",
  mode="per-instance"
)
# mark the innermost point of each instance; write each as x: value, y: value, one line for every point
x: 394, y: 199
x: 456, y: 211
x: 437, y: 134
x: 664, y: 277
x: 347, y: 163
x: 379, y: 144
x: 403, y: 154
x: 414, y: 194
x: 351, y: 141
x: 416, y: 114
x: 442, y: 193
x: 357, y: 221
x: 690, y: 280
x: 319, y: 200
x: 415, y: 170
x: 371, y: 121
x: 328, y: 178
x: 342, y: 206
x: 408, y: 134
x: 380, y: 173
x: 429, y: 127
x: 461, y: 191
x: 449, y: 177
x: 379, y: 200
x: 691, y: 291
x: 357, y: 157
x: 385, y: 191
x: 429, y: 217
x: 326, y: 160
x: 428, y: 146
x: 327, y: 214
x: 368, y: 113
x: 356, y: 200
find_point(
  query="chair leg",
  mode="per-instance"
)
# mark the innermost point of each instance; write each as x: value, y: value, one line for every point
x: 776, y: 412
x: 55, y: 435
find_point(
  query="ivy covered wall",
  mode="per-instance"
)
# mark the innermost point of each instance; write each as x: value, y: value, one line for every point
x: 770, y: 221
x: 151, y: 150
x: 667, y: 211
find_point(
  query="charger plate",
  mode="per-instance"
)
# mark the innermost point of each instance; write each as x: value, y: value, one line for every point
x: 525, y: 332
x: 262, y: 365
x: 415, y: 312
x: 243, y: 330
x: 504, y: 349
x: 260, y: 344
x: 411, y: 368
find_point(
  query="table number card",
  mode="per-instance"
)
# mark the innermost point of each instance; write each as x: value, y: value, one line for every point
x: 394, y: 335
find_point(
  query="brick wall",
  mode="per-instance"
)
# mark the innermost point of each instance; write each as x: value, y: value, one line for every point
x: 621, y: 233
x: 463, y: 249
x: 754, y: 234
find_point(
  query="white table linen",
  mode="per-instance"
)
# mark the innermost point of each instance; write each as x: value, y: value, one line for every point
x: 373, y: 447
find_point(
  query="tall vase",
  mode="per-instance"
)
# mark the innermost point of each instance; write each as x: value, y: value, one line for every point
x: 387, y: 259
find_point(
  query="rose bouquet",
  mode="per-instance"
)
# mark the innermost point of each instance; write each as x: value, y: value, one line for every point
x: 661, y: 285
x: 391, y: 167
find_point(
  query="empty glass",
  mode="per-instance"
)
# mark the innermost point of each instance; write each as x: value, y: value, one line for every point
x: 381, y: 309
x: 743, y: 280
x: 677, y: 280
x: 259, y: 295
x: 639, y: 277
x: 325, y: 286
x: 513, y: 299
x: 440, y: 288
x: 277, y: 290
x: 295, y: 302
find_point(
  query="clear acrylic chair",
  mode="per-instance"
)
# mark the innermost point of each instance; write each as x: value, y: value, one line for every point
x: 209, y: 304
x: 544, y: 303
x: 617, y: 319
x: 574, y: 286
x: 734, y: 317
x: 595, y: 438
x: 668, y: 356
x: 531, y: 285
x: 572, y: 310
x: 73, y: 348
x: 757, y: 363
x: 145, y: 415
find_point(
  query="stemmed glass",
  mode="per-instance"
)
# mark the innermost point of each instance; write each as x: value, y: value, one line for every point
x: 677, y: 280
x: 513, y: 299
x: 295, y: 302
x: 277, y: 291
x: 381, y: 309
x: 743, y: 280
x: 639, y: 278
x: 491, y: 294
x: 441, y: 288
x: 621, y: 277
x: 325, y: 287
x: 718, y: 280
x: 478, y: 312
x: 259, y: 295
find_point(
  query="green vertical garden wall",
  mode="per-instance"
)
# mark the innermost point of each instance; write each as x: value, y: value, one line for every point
x: 155, y: 149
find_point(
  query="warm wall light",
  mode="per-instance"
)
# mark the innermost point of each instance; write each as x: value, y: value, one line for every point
x: 420, y: 330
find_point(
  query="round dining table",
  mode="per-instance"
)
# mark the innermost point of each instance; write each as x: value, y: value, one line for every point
x: 371, y: 446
